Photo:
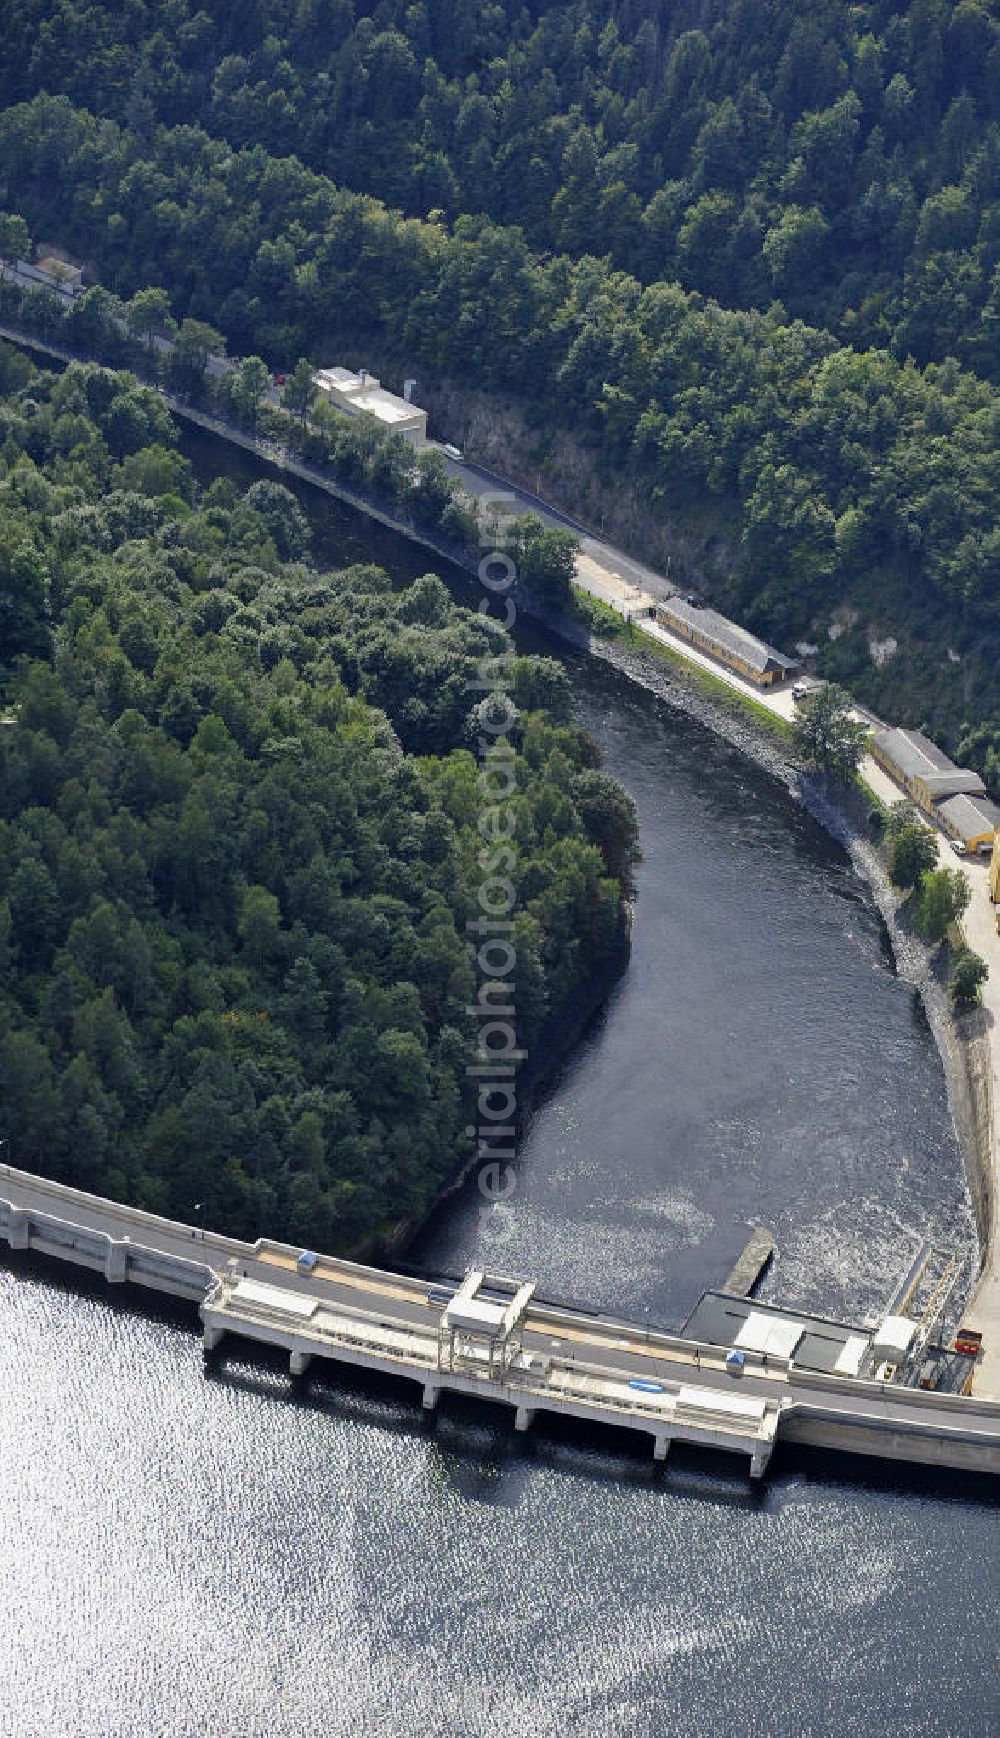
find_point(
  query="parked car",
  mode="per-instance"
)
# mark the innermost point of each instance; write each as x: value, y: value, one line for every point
x: 452, y: 452
x: 799, y: 691
x: 957, y: 847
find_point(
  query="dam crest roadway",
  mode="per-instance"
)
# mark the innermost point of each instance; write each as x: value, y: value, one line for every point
x: 494, y: 1339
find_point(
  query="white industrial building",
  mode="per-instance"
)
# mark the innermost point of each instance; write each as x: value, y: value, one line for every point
x: 354, y: 393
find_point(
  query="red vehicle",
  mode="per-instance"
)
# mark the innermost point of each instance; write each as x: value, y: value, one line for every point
x: 279, y: 379
x: 968, y: 1342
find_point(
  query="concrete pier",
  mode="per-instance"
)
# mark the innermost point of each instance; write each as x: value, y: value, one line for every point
x: 18, y: 1228
x: 299, y: 1362
x: 524, y: 1417
x: 749, y: 1269
x: 116, y: 1265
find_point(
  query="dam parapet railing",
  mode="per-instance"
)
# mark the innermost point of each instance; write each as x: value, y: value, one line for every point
x: 210, y: 1251
x: 119, y: 1259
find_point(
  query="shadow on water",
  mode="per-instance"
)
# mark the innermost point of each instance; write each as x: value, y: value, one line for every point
x: 420, y: 1255
x: 799, y: 1473
x: 34, y: 1267
x: 342, y: 535
x: 475, y: 1442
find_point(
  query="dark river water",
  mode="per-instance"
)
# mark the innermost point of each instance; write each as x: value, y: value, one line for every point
x: 235, y: 1554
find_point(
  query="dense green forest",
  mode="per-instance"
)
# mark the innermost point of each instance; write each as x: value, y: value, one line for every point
x: 841, y: 158
x: 854, y: 487
x: 860, y: 490
x: 241, y: 840
x: 746, y: 256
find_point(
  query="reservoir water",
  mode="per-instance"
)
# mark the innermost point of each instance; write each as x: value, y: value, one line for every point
x: 235, y: 1553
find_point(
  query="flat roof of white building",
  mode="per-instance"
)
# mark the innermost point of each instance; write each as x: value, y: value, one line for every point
x: 718, y: 1317
x: 722, y: 1405
x: 343, y: 377
x: 894, y: 1334
x: 365, y: 392
x: 776, y: 1335
x: 853, y: 1356
x: 385, y: 405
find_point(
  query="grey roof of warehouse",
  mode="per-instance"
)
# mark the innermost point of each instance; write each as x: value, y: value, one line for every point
x: 729, y: 635
x: 969, y: 816
x: 916, y: 756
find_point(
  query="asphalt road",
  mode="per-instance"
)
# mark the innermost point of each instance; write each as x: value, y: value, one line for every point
x: 482, y: 483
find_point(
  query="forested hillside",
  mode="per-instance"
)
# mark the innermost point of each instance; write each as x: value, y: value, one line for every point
x: 843, y: 159
x: 857, y: 491
x: 240, y: 843
x: 748, y: 256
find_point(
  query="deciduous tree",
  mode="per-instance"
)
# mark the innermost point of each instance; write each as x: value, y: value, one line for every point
x: 969, y: 974
x: 914, y: 853
x: 827, y: 734
x: 944, y: 895
x: 148, y: 316
x: 250, y: 386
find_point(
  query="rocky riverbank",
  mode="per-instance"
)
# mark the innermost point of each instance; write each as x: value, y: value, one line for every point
x: 963, y: 1043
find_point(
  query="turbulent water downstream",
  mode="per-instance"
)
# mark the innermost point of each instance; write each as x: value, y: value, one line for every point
x: 185, y: 1554
x: 759, y: 1060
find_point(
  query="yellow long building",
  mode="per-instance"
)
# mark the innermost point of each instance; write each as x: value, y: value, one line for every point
x: 726, y: 641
